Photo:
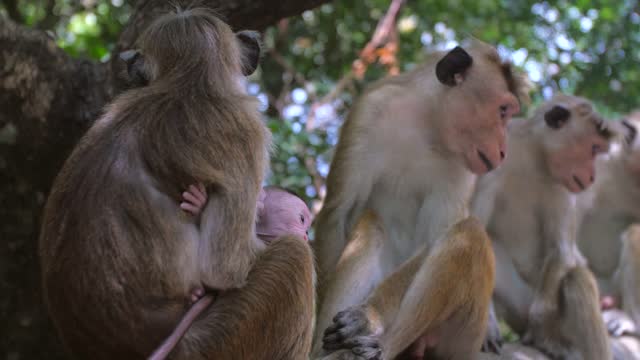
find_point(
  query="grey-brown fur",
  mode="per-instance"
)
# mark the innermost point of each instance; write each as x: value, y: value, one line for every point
x: 119, y: 258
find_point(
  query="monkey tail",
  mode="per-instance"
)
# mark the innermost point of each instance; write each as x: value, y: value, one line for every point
x: 580, y: 304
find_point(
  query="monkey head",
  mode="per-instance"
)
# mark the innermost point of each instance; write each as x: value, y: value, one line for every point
x: 479, y: 95
x: 631, y: 127
x: 282, y: 213
x: 196, y: 42
x: 572, y: 134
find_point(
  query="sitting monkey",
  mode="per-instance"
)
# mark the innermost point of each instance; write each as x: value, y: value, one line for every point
x: 543, y: 287
x: 607, y: 212
x: 279, y: 213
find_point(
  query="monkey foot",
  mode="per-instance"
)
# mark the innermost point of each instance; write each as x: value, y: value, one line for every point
x: 618, y: 324
x: 196, y: 294
x: 365, y: 347
x: 351, y: 330
x: 492, y: 343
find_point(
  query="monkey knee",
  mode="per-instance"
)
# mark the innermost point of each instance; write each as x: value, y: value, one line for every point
x: 288, y: 256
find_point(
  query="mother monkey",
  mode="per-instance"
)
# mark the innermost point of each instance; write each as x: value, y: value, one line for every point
x: 119, y: 259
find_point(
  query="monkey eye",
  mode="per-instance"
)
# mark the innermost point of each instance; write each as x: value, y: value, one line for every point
x: 503, y: 111
x: 302, y: 219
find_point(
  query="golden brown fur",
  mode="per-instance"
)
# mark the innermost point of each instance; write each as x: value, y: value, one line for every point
x: 119, y: 257
x: 400, y: 181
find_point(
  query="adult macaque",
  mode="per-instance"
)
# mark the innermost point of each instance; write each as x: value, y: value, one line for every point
x: 120, y: 259
x: 399, y: 257
x: 607, y: 237
x: 543, y: 287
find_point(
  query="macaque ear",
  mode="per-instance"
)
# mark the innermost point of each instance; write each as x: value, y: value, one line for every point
x: 451, y: 68
x: 135, y: 67
x: 557, y: 117
x: 630, y: 133
x: 250, y: 42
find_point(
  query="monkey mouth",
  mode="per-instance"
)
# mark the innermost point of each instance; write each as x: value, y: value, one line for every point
x: 485, y: 160
x: 580, y: 184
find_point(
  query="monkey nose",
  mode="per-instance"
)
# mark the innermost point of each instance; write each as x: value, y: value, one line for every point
x: 502, y: 155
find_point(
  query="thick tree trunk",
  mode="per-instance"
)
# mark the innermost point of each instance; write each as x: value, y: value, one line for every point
x: 47, y: 101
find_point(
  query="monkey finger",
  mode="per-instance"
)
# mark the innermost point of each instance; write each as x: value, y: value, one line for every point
x: 202, y: 189
x: 196, y: 193
x: 193, y: 210
x: 199, y: 192
x: 368, y: 353
x: 191, y: 199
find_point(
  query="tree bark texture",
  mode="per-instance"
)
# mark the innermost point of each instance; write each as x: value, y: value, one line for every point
x: 47, y: 101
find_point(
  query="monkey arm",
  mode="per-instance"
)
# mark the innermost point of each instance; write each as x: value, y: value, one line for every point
x: 228, y: 243
x: 545, y: 304
x: 271, y: 317
x: 558, y: 224
x: 357, y: 271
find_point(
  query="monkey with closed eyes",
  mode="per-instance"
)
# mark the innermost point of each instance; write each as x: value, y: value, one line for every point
x: 280, y: 213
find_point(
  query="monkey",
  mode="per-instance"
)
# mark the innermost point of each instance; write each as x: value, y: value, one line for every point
x: 399, y: 259
x: 280, y: 213
x: 607, y: 235
x: 119, y: 257
x: 543, y: 287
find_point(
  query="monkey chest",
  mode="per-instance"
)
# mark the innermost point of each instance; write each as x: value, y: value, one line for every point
x: 518, y: 230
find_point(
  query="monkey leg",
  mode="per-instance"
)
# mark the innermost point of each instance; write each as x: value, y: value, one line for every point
x: 356, y: 274
x: 442, y: 293
x: 449, y: 297
x: 271, y: 317
x: 568, y: 324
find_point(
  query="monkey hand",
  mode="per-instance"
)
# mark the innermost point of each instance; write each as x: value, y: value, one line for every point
x: 351, y: 329
x: 194, y: 199
x: 618, y: 323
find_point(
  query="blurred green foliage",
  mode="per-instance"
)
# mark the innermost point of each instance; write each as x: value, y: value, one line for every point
x: 591, y: 48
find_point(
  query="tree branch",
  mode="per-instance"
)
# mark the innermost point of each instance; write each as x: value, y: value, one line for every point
x: 383, y: 45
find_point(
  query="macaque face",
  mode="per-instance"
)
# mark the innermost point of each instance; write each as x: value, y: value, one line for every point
x: 581, y: 136
x: 631, y: 128
x: 481, y: 132
x: 477, y: 107
x: 283, y: 214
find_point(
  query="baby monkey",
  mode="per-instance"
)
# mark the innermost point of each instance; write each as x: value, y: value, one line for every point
x: 279, y: 212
